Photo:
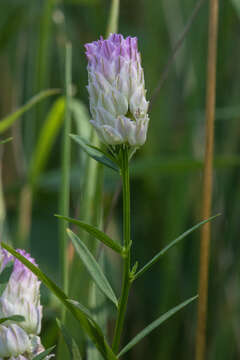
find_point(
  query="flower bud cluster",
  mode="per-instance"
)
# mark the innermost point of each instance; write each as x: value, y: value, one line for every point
x: 116, y: 90
x: 20, y: 341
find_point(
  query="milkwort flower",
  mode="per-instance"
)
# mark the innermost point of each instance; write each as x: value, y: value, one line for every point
x: 13, y: 341
x: 116, y: 90
x: 21, y: 297
x: 22, y: 294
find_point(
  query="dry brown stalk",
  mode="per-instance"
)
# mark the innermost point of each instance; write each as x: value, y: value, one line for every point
x: 207, y: 180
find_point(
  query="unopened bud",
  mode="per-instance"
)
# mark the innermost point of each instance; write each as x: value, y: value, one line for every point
x: 22, y: 294
x: 116, y: 90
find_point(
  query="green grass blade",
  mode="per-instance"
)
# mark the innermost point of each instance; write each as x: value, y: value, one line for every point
x: 70, y: 342
x: 154, y: 325
x: 98, y: 234
x: 96, y: 153
x: 81, y: 117
x: 44, y: 354
x: 93, y: 332
x: 93, y: 268
x: 64, y: 196
x: 14, y: 318
x: 5, y: 276
x: 48, y: 134
x: 8, y: 120
x: 6, y: 140
x: 169, y: 246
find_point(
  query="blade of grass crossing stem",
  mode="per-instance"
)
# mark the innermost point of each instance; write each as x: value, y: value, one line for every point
x: 207, y: 179
x: 5, y: 276
x: 92, y: 266
x: 65, y: 185
x: 169, y: 246
x: 154, y: 325
x: 44, y: 354
x: 48, y: 134
x: 70, y: 342
x: 98, y: 234
x: 8, y: 120
x: 93, y: 332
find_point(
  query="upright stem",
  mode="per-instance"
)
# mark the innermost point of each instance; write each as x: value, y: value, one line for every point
x: 113, y: 18
x: 208, y: 175
x: 126, y: 282
x: 65, y: 186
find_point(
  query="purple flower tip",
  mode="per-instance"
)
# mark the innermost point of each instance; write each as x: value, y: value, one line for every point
x: 19, y: 268
x: 112, y: 47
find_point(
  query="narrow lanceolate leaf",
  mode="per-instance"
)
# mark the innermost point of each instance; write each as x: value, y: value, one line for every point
x: 44, y: 354
x: 8, y: 120
x: 154, y: 325
x: 169, y: 246
x: 5, y: 276
x: 70, y: 342
x: 96, y: 153
x: 14, y: 318
x: 92, y: 331
x: 92, y: 230
x: 92, y: 266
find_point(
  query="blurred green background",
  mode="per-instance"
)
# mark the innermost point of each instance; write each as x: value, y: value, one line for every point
x: 166, y: 173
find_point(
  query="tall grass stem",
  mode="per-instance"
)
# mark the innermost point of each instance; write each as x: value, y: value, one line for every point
x: 66, y: 161
x: 113, y: 18
x: 207, y: 180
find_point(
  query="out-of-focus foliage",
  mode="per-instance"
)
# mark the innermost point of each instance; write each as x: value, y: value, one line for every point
x: 166, y: 172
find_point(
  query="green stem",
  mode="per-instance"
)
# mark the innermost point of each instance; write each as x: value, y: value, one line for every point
x: 113, y: 18
x: 126, y: 281
x: 65, y: 186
